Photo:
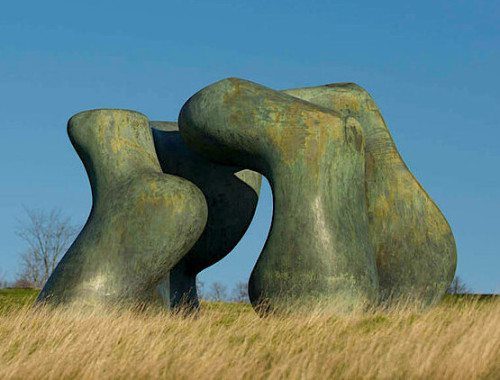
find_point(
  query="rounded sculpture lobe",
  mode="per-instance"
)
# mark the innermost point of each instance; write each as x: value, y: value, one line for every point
x: 231, y: 193
x: 142, y: 221
x: 318, y: 248
x: 413, y: 242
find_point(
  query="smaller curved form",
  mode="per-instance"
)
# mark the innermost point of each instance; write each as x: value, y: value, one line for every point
x: 231, y: 193
x: 413, y: 242
x: 142, y: 221
x: 318, y: 249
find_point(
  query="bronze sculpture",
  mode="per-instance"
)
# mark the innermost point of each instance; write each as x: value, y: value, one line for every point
x: 351, y: 224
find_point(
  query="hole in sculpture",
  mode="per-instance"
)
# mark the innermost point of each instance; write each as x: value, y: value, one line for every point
x: 237, y: 266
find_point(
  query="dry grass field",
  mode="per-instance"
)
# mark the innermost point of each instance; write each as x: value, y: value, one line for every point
x: 460, y: 339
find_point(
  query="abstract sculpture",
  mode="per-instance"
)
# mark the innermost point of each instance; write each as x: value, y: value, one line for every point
x: 413, y: 242
x: 351, y: 224
x: 142, y: 221
x: 318, y: 247
x: 231, y: 195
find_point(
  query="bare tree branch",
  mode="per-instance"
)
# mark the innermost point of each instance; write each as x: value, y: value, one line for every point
x: 200, y: 289
x: 48, y: 236
x: 458, y: 287
x: 3, y: 283
x: 240, y: 293
x: 217, y: 292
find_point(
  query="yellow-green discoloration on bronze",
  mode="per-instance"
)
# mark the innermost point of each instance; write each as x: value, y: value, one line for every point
x: 319, y: 245
x: 142, y: 221
x: 414, y: 245
x: 231, y: 194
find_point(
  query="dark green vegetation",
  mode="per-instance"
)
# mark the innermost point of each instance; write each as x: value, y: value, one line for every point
x: 231, y: 194
x: 142, y: 221
x: 12, y: 300
x: 413, y: 243
x: 15, y: 299
x: 319, y: 246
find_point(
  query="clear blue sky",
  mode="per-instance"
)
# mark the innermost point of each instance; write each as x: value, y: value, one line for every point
x: 432, y: 67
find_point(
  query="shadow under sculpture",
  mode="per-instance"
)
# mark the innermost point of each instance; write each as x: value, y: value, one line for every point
x: 231, y: 194
x: 142, y: 221
x: 318, y: 248
x: 413, y: 242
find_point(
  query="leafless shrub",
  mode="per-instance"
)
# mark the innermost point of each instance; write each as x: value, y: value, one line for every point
x: 200, y: 289
x: 240, y: 293
x: 218, y: 292
x: 458, y: 287
x: 3, y: 283
x: 47, y: 236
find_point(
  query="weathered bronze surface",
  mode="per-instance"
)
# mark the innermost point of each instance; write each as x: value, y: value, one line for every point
x: 351, y: 224
x: 231, y: 195
x: 414, y: 245
x: 142, y: 221
x: 319, y: 248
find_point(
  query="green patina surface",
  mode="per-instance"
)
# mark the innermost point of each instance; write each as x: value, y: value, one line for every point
x: 142, y: 221
x: 231, y: 194
x: 413, y: 243
x: 351, y: 224
x: 319, y: 245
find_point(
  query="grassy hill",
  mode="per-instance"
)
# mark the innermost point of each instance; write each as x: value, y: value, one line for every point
x: 16, y: 299
x: 459, y: 339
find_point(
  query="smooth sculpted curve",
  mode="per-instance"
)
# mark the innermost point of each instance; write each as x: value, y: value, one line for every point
x: 231, y: 193
x: 318, y: 249
x: 142, y: 221
x: 413, y: 242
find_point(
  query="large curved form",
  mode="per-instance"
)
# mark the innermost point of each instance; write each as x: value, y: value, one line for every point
x: 231, y: 193
x: 414, y: 245
x: 142, y: 221
x: 318, y: 247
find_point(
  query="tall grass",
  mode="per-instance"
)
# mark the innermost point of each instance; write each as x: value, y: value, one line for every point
x: 456, y: 340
